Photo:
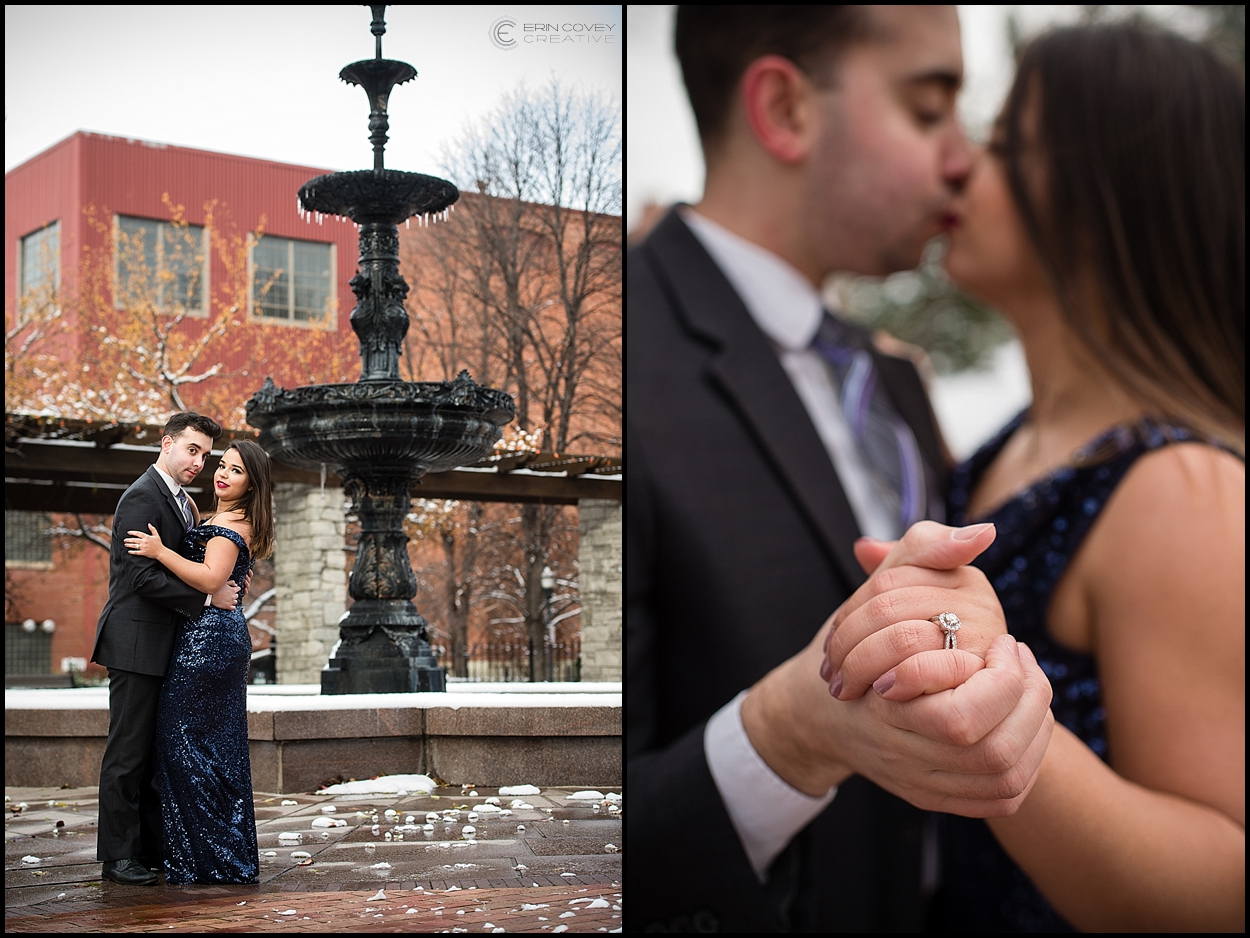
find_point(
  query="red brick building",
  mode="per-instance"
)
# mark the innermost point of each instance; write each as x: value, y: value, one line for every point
x: 128, y: 186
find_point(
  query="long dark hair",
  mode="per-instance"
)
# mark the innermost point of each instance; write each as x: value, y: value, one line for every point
x: 257, y: 504
x: 1142, y: 140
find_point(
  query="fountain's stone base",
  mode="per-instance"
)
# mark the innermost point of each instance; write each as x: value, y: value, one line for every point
x: 383, y: 651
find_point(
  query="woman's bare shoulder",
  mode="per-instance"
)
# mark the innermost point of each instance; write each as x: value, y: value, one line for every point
x: 1187, y: 483
x: 1180, y: 509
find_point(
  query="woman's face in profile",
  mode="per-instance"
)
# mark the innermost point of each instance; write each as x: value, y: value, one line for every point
x: 989, y: 254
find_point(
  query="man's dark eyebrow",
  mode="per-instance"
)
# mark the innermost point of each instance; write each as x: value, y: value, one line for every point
x: 950, y: 81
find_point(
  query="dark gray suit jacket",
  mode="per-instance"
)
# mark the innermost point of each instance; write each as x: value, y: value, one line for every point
x: 738, y: 547
x: 137, y: 628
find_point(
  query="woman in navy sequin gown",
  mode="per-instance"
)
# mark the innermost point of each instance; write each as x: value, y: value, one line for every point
x: 1107, y: 221
x: 204, y: 771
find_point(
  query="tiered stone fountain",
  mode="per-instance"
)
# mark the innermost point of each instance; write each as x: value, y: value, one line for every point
x: 381, y: 434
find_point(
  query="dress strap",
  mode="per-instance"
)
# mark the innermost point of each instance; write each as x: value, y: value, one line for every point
x: 216, y: 530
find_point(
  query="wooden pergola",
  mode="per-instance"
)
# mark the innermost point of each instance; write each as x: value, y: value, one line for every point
x: 54, y: 464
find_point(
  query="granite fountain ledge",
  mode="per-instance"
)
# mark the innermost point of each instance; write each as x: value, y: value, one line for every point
x: 300, y: 740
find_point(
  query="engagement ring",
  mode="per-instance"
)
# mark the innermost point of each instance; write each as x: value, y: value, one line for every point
x: 949, y: 623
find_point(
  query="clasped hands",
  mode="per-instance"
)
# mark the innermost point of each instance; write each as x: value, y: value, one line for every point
x: 956, y: 730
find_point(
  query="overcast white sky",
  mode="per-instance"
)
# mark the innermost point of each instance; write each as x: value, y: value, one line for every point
x: 262, y: 81
x: 664, y: 163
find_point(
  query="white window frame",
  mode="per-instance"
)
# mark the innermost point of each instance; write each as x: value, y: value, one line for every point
x: 328, y: 323
x: 206, y: 243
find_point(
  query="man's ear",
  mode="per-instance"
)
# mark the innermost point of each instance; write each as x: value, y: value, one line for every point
x: 778, y: 102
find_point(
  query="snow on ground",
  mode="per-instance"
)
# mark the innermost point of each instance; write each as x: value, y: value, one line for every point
x: 429, y: 701
x: 383, y: 785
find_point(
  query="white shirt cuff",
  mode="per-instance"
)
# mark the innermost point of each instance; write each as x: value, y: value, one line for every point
x: 765, y: 810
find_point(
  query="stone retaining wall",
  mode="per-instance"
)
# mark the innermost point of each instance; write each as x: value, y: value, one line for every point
x: 298, y: 750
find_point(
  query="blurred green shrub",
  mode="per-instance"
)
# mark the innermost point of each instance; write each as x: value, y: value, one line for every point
x: 924, y: 308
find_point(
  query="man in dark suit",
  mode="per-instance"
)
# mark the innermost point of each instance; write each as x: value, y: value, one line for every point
x: 135, y: 641
x: 765, y: 435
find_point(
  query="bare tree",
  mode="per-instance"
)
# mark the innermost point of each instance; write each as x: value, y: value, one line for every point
x: 99, y: 533
x: 523, y: 286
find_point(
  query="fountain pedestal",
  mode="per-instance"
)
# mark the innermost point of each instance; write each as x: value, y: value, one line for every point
x: 391, y: 659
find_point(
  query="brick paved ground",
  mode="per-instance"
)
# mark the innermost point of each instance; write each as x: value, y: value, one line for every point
x: 557, y: 875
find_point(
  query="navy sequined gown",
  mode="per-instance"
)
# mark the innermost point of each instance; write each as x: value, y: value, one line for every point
x: 1039, y: 531
x: 203, y: 769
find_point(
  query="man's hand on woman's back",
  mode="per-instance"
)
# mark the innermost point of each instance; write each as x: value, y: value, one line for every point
x: 227, y: 597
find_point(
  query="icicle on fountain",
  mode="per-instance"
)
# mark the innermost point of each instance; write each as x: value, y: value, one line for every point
x: 381, y: 434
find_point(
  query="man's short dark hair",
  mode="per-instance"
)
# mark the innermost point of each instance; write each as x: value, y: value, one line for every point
x: 715, y: 44
x: 179, y: 422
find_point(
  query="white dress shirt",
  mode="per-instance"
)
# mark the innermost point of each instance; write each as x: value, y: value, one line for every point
x: 174, y: 489
x: 765, y: 810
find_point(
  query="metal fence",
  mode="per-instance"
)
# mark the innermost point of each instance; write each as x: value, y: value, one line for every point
x: 511, y: 661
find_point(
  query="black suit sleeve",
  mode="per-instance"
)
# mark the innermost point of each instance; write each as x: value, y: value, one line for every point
x: 677, y: 819
x: 145, y: 576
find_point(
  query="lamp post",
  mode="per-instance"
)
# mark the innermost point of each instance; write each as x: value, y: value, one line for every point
x: 549, y: 585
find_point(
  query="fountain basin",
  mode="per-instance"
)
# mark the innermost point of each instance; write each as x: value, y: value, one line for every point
x: 377, y: 195
x: 425, y: 426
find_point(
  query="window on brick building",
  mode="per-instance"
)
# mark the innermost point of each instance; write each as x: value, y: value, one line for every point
x: 26, y: 538
x: 40, y: 266
x: 161, y: 263
x: 294, y: 281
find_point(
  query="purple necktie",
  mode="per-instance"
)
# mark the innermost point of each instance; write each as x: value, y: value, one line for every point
x: 887, y: 443
x: 183, y: 502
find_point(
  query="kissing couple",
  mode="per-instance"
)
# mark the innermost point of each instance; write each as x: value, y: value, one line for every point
x: 1032, y: 719
x: 176, y: 780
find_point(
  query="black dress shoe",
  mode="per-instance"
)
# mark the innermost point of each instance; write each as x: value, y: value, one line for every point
x: 129, y: 873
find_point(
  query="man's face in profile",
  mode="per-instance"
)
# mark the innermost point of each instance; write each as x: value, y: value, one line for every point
x: 889, y: 152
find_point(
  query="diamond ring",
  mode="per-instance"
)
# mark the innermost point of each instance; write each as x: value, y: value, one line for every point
x: 949, y: 623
